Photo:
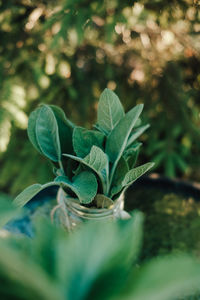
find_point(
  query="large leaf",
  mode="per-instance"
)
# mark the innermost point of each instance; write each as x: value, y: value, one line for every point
x: 110, y: 111
x: 131, y: 177
x: 117, y: 139
x: 21, y: 278
x: 61, y: 115
x: 84, y: 139
x: 32, y: 128
x: 83, y: 185
x: 98, y: 257
x: 136, y: 133
x: 47, y: 134
x: 96, y: 160
x: 31, y: 191
x: 65, y: 129
x: 166, y: 278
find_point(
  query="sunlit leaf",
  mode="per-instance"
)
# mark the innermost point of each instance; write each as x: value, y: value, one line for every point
x: 47, y: 134
x: 117, y: 139
x: 110, y: 111
x: 31, y: 191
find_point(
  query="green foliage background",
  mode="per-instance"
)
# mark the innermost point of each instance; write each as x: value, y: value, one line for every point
x: 65, y: 52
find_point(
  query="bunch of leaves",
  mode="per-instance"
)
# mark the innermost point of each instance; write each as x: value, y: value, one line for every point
x: 89, y: 163
x: 68, y: 51
x: 99, y: 261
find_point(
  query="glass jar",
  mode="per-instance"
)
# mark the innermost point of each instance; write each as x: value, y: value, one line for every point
x: 71, y: 213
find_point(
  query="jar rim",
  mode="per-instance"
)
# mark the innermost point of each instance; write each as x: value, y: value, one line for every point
x: 88, y: 212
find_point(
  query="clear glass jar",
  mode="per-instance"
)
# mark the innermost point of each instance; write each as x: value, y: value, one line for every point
x: 71, y: 213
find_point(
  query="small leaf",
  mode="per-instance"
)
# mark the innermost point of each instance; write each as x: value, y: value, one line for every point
x: 132, y: 159
x: 32, y: 129
x: 27, y: 194
x: 110, y: 111
x: 131, y: 177
x: 117, y: 139
x: 47, y: 134
x: 133, y: 148
x: 134, y: 174
x: 97, y: 161
x: 102, y: 201
x: 84, y: 139
x: 83, y: 185
x: 136, y: 133
x: 131, y: 155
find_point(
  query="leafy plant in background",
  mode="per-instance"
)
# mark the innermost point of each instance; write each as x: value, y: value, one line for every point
x: 99, y: 261
x: 89, y: 164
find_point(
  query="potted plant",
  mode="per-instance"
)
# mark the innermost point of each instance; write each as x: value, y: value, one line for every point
x: 93, y: 168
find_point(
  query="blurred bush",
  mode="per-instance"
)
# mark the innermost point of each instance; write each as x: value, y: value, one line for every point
x: 67, y: 52
x: 172, y: 222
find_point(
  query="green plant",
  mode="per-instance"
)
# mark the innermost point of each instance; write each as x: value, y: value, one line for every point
x: 68, y: 52
x: 98, y: 261
x: 89, y: 163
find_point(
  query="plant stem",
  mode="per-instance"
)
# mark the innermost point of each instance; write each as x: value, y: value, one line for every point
x: 112, y: 174
x: 61, y: 166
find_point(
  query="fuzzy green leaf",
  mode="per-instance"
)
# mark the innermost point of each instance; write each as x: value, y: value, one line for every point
x: 32, y: 129
x: 131, y: 177
x: 84, y: 139
x: 117, y: 139
x: 136, y: 133
x: 27, y: 194
x: 110, y: 111
x: 65, y: 129
x: 134, y: 174
x: 120, y: 171
x: 47, y: 134
x: 61, y: 115
x: 96, y: 160
x: 131, y: 155
x: 83, y: 185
